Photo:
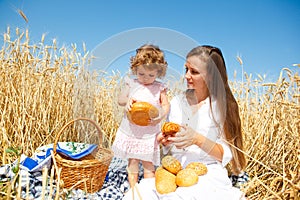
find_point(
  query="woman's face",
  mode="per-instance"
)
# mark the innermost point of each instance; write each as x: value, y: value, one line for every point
x: 196, y: 74
x: 146, y: 76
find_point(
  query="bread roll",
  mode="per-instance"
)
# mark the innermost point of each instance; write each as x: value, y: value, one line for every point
x: 170, y: 128
x: 171, y: 164
x: 164, y: 181
x: 141, y: 113
x: 186, y: 177
x: 199, y: 168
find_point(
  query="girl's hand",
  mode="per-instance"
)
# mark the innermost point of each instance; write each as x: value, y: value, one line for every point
x: 129, y: 104
x: 156, y: 120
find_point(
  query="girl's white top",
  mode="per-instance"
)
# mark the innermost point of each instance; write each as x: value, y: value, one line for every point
x: 134, y: 141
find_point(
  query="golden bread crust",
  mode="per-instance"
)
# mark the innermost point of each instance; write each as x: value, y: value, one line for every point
x: 170, y: 128
x: 141, y: 113
x: 186, y: 177
x: 199, y: 168
x: 164, y: 181
x: 170, y: 174
x: 171, y: 164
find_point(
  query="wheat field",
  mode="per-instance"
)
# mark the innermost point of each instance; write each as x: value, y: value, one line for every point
x: 44, y: 86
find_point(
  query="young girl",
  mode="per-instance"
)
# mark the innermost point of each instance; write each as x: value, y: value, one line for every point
x: 138, y: 143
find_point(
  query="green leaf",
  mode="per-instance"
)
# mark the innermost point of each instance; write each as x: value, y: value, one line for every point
x: 11, y: 150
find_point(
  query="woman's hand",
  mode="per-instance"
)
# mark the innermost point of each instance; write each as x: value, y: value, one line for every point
x: 185, y: 138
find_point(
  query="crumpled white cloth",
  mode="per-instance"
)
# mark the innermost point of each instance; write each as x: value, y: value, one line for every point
x: 208, y: 187
x: 146, y: 190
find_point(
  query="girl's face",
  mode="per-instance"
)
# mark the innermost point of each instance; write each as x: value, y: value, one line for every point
x: 196, y: 74
x: 146, y: 76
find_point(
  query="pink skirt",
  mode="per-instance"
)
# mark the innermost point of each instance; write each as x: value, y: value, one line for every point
x: 127, y: 146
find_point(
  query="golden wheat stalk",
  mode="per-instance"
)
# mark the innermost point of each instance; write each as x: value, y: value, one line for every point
x: 23, y: 15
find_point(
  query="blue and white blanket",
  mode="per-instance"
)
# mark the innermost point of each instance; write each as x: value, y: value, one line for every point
x: 114, y: 186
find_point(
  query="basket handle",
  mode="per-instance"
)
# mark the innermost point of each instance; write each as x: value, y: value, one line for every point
x: 72, y: 121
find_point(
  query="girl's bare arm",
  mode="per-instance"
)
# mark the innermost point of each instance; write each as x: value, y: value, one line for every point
x: 123, y: 96
x: 164, y: 104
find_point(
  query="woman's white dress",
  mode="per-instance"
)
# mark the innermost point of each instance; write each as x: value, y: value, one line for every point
x: 213, y: 185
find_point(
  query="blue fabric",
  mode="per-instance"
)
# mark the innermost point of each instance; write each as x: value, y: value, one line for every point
x: 114, y: 186
x: 239, y: 180
x: 78, y: 155
x: 29, y: 163
x: 42, y: 156
x: 68, y: 153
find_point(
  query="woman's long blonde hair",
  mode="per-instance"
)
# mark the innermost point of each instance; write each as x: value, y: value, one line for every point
x: 219, y: 89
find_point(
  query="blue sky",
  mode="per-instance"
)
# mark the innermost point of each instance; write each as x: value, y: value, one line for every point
x: 264, y: 33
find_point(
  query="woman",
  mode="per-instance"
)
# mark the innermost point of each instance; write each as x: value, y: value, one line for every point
x: 210, y: 130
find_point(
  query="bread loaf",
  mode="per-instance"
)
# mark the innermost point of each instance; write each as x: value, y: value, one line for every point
x: 171, y: 164
x: 170, y: 128
x: 141, y: 113
x: 199, y: 168
x: 164, y: 181
x: 170, y: 174
x: 186, y: 177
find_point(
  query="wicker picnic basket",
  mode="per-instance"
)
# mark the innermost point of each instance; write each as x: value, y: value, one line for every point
x: 87, y: 173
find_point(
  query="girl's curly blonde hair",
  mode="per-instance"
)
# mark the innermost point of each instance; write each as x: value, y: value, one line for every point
x: 151, y: 57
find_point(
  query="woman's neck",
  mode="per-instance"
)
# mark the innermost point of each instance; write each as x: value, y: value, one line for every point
x: 193, y: 98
